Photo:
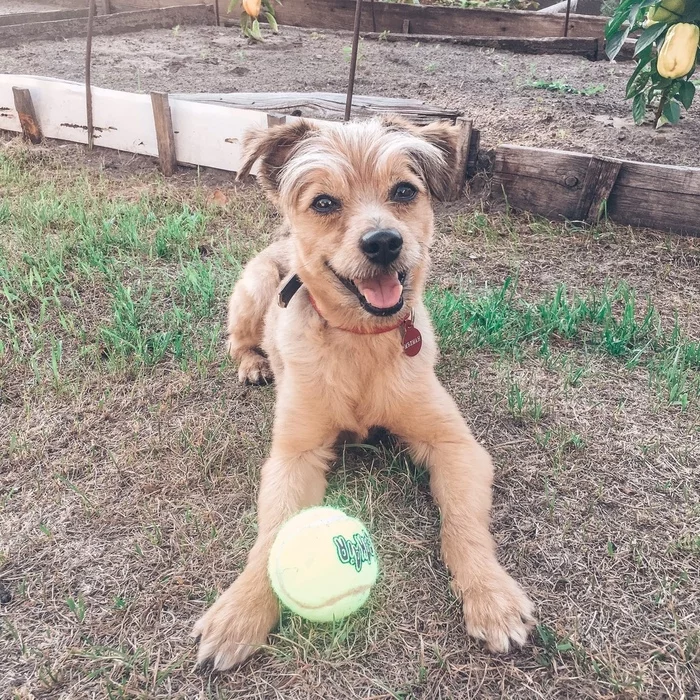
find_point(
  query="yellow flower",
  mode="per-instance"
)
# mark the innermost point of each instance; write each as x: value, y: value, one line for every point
x: 678, y: 53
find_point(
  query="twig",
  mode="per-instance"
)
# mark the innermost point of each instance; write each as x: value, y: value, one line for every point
x: 88, y: 62
x: 353, y: 58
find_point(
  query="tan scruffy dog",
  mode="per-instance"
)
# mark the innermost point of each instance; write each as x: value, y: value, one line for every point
x: 347, y: 354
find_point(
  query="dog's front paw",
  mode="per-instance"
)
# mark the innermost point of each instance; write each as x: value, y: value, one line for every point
x: 235, y: 627
x: 254, y: 368
x: 497, y: 611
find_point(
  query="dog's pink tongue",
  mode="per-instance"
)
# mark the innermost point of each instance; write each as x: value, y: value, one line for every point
x: 383, y: 291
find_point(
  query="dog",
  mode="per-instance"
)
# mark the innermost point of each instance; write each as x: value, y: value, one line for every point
x: 333, y: 311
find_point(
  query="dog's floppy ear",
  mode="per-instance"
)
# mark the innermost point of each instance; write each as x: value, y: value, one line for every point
x: 446, y: 138
x: 272, y: 147
x: 438, y: 173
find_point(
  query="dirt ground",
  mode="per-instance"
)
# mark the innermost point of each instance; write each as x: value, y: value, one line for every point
x: 11, y: 7
x: 490, y: 86
x: 127, y: 491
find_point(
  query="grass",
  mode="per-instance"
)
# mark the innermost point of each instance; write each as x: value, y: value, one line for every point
x: 564, y: 88
x: 128, y: 478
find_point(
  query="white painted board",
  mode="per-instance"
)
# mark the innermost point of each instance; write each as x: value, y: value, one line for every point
x: 205, y: 134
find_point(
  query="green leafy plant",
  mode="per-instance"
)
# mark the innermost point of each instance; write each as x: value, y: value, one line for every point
x: 666, y: 57
x: 565, y: 88
x: 250, y: 25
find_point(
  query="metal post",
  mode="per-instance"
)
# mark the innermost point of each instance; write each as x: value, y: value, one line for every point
x: 353, y: 59
x: 566, y: 21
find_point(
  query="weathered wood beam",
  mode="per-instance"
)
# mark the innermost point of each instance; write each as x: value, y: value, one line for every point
x: 573, y: 186
x: 27, y: 115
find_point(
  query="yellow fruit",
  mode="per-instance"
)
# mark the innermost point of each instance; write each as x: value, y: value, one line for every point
x: 667, y: 11
x: 252, y: 7
x: 679, y: 51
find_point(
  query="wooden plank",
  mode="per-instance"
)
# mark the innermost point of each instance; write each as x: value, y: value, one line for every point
x: 164, y: 133
x: 122, y: 120
x: 118, y: 23
x: 104, y: 7
x: 211, y: 135
x: 597, y: 186
x: 473, y: 155
x: 26, y: 114
x: 550, y: 183
x: 208, y: 135
x: 459, y: 176
x: 577, y: 46
x: 339, y: 14
x: 325, y: 105
x: 49, y: 16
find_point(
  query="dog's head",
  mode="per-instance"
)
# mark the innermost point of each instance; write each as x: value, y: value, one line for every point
x: 357, y: 198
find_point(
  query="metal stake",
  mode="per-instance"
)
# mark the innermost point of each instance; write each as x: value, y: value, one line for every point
x: 353, y: 59
x: 566, y: 21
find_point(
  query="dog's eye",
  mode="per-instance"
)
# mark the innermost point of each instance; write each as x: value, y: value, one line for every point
x: 404, y: 192
x: 323, y: 204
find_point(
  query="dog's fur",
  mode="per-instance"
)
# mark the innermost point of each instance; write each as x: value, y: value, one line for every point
x: 331, y: 379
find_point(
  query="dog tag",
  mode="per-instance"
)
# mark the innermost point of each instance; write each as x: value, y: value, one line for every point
x: 412, y: 340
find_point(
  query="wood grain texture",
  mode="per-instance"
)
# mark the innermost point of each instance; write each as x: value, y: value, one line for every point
x: 324, y: 105
x: 339, y: 14
x: 588, y: 47
x: 49, y: 16
x: 117, y: 23
x: 459, y: 178
x: 551, y: 183
x: 597, y: 185
x: 164, y: 133
x: 27, y: 114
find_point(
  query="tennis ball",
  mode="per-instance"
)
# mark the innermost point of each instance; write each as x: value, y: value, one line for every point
x: 322, y: 564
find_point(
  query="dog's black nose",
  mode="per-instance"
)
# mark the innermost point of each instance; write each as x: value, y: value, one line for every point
x: 382, y: 247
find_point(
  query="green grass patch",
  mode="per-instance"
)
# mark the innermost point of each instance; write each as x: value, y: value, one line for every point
x: 608, y: 320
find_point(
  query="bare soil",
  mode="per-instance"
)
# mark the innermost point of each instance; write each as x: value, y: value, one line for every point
x: 492, y: 87
x: 11, y: 7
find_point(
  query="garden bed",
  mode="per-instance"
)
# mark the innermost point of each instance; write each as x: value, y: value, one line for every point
x: 578, y: 106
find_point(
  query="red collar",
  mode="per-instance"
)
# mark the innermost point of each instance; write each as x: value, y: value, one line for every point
x: 361, y: 331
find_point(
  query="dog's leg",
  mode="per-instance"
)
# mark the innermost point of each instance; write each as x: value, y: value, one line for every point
x: 495, y: 607
x: 247, y: 307
x: 294, y: 477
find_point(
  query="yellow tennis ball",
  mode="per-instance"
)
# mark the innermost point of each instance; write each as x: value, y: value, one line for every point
x: 322, y: 564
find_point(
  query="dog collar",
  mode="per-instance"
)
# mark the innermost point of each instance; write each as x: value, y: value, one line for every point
x: 410, y: 336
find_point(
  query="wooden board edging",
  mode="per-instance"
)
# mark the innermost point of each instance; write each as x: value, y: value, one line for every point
x: 433, y: 19
x: 48, y: 16
x: 573, y: 186
x: 118, y: 23
x: 577, y: 46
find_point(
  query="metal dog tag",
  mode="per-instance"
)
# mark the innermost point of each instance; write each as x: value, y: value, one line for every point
x: 412, y: 339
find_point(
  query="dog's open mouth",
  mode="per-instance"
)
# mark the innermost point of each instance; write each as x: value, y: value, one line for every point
x: 380, y: 295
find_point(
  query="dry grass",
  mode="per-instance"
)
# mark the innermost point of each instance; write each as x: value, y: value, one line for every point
x: 128, y: 476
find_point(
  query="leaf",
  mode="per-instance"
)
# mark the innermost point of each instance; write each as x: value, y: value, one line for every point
x: 634, y: 11
x: 672, y: 112
x: 255, y: 31
x: 619, y: 17
x: 634, y: 87
x: 272, y: 22
x: 639, y: 108
x: 686, y: 92
x: 639, y: 79
x: 649, y: 36
x: 615, y: 42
